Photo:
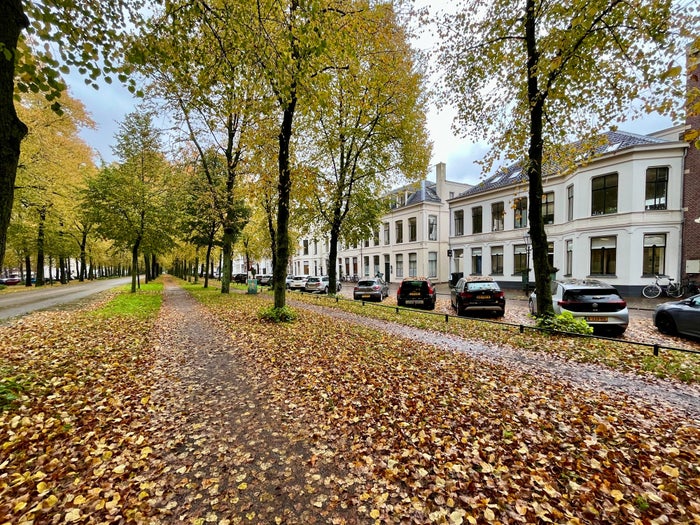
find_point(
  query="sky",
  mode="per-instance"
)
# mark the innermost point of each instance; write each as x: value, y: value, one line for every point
x: 109, y: 105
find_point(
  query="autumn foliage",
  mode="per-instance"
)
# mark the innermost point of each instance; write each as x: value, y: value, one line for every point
x: 209, y: 414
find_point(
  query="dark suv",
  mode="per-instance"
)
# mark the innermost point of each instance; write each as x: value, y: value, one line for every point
x: 478, y: 294
x: 416, y: 291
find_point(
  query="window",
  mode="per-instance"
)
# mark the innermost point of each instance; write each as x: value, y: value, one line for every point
x: 432, y: 228
x: 386, y: 233
x: 476, y: 261
x: 412, y: 264
x: 306, y: 247
x: 604, y: 195
x: 550, y: 254
x: 459, y: 222
x: 366, y: 243
x: 412, y: 229
x: 315, y: 247
x: 657, y: 185
x: 365, y: 265
x: 399, y: 265
x: 376, y: 238
x: 520, y: 258
x: 432, y: 264
x: 497, y: 260
x: 497, y: 214
x: 654, y: 254
x: 477, y: 219
x: 569, y: 257
x: 520, y: 215
x: 375, y: 260
x: 603, y: 255
x: 570, y: 203
x: 548, y: 208
x: 399, y: 232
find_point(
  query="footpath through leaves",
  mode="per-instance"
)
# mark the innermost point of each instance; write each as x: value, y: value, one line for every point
x: 209, y: 415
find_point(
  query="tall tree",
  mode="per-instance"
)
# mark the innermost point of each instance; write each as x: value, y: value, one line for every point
x: 87, y: 35
x: 130, y: 201
x: 370, y: 129
x: 531, y: 75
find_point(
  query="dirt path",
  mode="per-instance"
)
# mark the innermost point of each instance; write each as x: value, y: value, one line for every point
x: 227, y: 455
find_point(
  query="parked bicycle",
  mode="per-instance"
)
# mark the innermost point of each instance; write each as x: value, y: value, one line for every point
x: 664, y: 284
x: 689, y: 288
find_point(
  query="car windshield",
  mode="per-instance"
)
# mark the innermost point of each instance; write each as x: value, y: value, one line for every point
x: 366, y: 283
x: 313, y: 280
x: 476, y: 286
x: 584, y: 295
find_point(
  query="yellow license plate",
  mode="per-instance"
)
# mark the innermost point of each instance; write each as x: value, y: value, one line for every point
x: 483, y: 297
x: 596, y: 319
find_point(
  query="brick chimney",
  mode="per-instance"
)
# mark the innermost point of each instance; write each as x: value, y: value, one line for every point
x: 690, y: 256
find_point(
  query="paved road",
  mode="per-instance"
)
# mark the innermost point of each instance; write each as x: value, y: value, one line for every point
x: 18, y: 303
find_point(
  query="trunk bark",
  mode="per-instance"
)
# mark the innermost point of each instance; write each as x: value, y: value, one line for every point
x: 28, y: 275
x: 135, y: 265
x: 12, y: 130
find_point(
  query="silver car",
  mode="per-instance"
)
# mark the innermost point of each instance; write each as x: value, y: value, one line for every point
x: 599, y: 303
x: 679, y: 317
x: 370, y: 288
x: 319, y: 284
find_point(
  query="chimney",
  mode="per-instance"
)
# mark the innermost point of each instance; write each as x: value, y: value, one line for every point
x: 440, y: 180
x: 690, y: 256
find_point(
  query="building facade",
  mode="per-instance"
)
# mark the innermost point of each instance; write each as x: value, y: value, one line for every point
x: 618, y: 218
x: 412, y: 239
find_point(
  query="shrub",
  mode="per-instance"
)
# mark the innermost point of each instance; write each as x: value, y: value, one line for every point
x: 277, y: 315
x: 564, y: 322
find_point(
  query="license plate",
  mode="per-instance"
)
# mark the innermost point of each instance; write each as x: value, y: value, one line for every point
x: 415, y: 294
x: 366, y: 296
x: 596, y: 319
x: 483, y: 297
x: 414, y: 301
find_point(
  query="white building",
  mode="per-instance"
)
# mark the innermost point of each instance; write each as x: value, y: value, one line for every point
x: 413, y: 236
x: 618, y: 218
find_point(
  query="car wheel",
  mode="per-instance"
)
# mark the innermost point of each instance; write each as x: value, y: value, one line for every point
x: 325, y: 290
x: 665, y: 324
x: 501, y: 312
x: 400, y: 302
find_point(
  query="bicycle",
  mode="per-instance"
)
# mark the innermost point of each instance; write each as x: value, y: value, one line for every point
x: 689, y: 288
x: 664, y: 284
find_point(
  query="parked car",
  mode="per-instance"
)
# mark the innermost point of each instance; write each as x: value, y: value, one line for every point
x: 478, y: 294
x: 240, y: 278
x: 289, y: 280
x: 371, y: 288
x: 298, y: 282
x: 416, y: 291
x: 320, y: 284
x: 599, y: 303
x: 679, y: 317
x: 264, y: 279
x: 11, y: 280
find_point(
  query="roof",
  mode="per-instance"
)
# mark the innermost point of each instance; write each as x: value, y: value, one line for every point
x: 611, y: 142
x: 426, y: 192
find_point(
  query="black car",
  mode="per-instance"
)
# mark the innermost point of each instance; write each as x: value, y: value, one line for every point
x: 478, y: 294
x: 415, y: 291
x: 679, y: 317
x: 240, y: 278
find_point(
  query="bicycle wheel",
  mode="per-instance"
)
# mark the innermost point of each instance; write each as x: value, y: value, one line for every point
x: 651, y: 291
x: 674, y: 290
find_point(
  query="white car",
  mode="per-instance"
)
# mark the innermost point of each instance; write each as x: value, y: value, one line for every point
x: 319, y: 284
x: 298, y: 282
x: 599, y: 303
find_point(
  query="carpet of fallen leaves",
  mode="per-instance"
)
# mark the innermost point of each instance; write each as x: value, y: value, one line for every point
x: 209, y: 415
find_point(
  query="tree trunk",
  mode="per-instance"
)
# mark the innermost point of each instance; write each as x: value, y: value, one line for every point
x: 28, y: 275
x: 12, y: 130
x: 538, y: 236
x: 208, y: 263
x: 135, y: 264
x: 227, y: 244
x: 284, y: 190
x: 40, y: 250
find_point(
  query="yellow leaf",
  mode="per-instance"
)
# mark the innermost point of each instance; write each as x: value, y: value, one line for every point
x: 49, y: 502
x: 243, y: 486
x: 119, y: 469
x: 145, y: 451
x: 42, y: 487
x: 72, y: 515
x: 618, y: 495
x: 489, y: 515
x: 670, y: 471
x: 374, y: 514
x: 457, y: 517
x: 20, y: 505
x: 79, y: 500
